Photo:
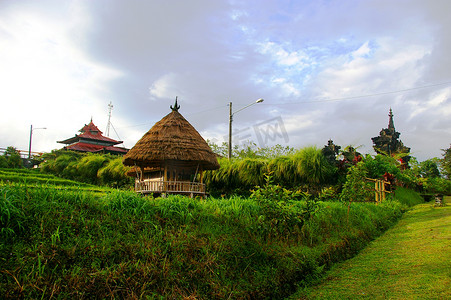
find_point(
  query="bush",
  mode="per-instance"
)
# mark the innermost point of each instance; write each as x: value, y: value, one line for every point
x: 381, y: 164
x: 357, y: 188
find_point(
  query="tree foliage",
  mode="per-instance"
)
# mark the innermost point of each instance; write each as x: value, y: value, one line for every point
x: 251, y: 150
x: 11, y: 158
x: 356, y: 187
x: 445, y: 162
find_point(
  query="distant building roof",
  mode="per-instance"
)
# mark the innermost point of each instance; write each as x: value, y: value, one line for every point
x: 91, y: 140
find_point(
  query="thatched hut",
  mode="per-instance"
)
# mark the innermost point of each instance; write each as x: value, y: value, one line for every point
x: 171, y: 158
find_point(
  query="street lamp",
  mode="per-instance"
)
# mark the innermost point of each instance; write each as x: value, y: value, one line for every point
x: 31, y: 135
x: 231, y: 119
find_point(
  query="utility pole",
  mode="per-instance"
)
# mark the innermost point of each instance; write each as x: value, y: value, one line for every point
x: 231, y: 113
x: 110, y: 108
x: 31, y: 137
x: 29, y: 144
x: 230, y: 131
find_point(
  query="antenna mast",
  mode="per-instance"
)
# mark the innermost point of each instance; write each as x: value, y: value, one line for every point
x: 110, y: 108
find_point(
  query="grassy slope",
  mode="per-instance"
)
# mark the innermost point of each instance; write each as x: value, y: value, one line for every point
x: 34, y: 178
x: 62, y: 239
x: 410, y: 261
x: 77, y: 244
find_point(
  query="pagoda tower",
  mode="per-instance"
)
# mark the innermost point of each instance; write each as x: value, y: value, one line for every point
x: 388, y: 142
x: 91, y: 139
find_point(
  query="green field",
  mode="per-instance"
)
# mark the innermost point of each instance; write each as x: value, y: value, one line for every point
x: 74, y: 241
x: 410, y: 261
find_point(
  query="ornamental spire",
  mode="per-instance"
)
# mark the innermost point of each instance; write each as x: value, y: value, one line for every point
x: 391, y: 124
x: 176, y: 107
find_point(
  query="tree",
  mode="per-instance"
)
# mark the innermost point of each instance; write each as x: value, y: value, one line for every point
x: 3, y: 162
x: 12, y: 158
x: 356, y: 188
x: 429, y: 169
x: 445, y: 162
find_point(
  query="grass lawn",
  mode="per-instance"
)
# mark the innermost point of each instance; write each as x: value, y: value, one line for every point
x: 410, y: 261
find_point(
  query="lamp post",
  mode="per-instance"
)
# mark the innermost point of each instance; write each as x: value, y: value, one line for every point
x: 231, y: 114
x: 31, y: 136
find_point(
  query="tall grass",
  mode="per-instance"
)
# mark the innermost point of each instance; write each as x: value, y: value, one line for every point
x: 307, y: 168
x: 78, y: 244
x: 100, y: 169
x: 312, y: 166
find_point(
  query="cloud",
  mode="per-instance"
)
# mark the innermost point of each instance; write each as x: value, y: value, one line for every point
x: 63, y: 62
x: 47, y: 80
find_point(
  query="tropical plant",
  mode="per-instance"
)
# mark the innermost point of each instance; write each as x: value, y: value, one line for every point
x: 357, y: 188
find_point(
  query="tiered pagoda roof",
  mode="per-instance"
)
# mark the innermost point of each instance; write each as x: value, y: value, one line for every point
x: 91, y: 139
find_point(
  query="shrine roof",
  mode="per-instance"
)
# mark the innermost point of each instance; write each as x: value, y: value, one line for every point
x: 86, y: 147
x: 90, y: 132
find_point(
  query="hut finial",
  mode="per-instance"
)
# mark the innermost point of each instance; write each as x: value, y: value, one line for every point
x: 176, y: 107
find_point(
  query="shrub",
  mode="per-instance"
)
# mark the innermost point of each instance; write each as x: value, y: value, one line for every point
x: 381, y: 164
x: 357, y: 188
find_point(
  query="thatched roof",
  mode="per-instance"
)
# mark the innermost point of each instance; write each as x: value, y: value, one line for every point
x: 173, y: 138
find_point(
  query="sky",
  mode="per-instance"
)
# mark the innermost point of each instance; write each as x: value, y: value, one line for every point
x: 326, y: 69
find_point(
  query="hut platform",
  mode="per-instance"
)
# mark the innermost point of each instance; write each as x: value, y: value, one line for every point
x: 170, y: 187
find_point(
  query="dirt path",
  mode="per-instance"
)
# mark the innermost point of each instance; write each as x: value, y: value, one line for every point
x: 410, y: 261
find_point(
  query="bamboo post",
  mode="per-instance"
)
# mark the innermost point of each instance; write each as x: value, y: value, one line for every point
x: 376, y: 191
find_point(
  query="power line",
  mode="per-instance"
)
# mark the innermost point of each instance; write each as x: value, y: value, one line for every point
x: 364, y: 96
x: 315, y: 101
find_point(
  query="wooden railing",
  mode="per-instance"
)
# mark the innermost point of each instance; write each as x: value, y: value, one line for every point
x: 169, y: 187
x: 380, y: 189
x: 22, y: 153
